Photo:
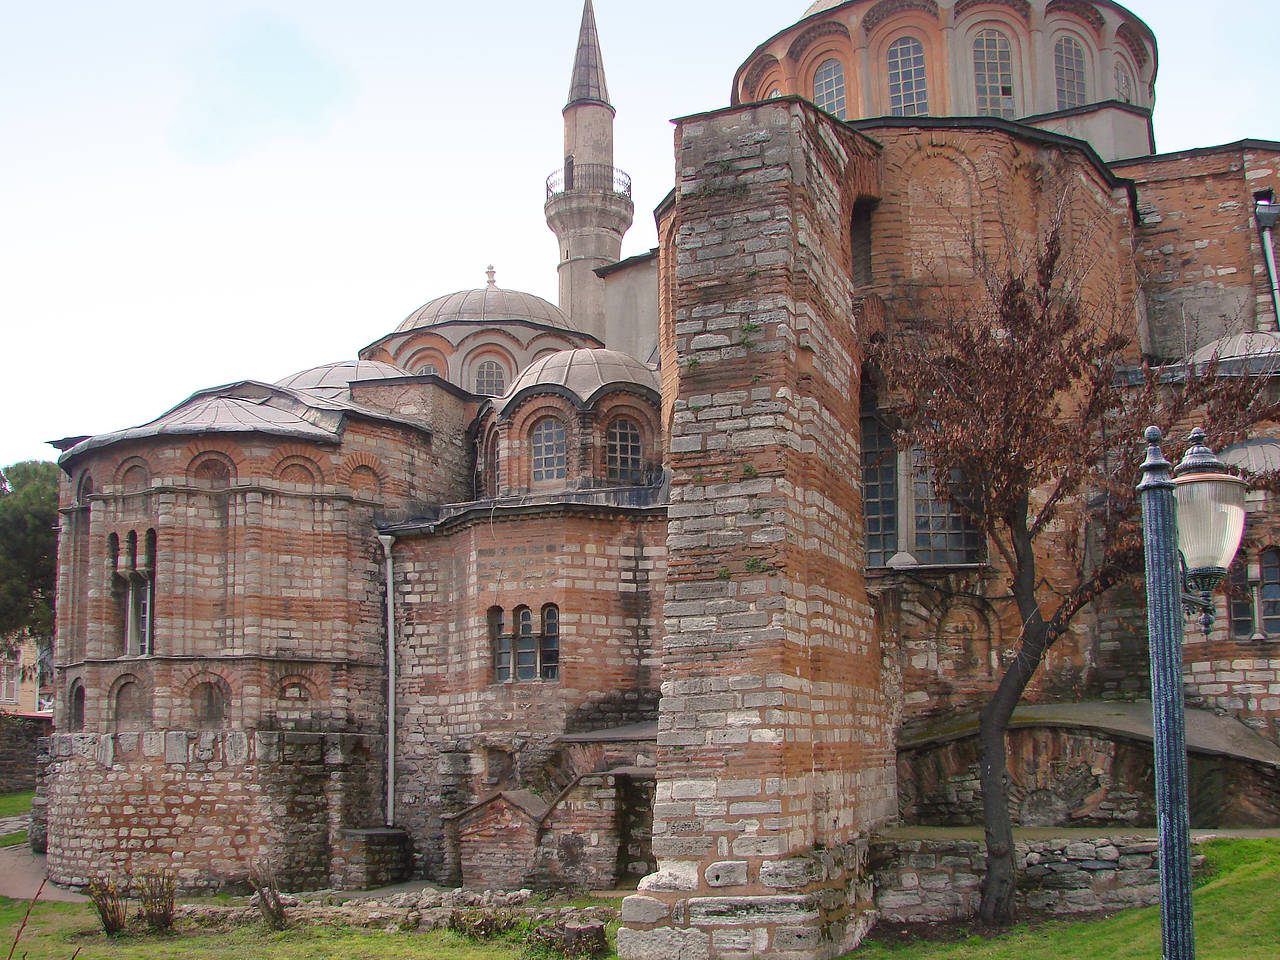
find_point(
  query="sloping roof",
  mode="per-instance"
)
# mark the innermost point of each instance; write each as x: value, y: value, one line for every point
x: 587, y: 82
x: 333, y: 380
x: 530, y: 804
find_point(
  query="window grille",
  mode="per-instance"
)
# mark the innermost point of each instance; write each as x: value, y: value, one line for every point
x: 491, y: 379
x: 879, y: 492
x: 549, y: 646
x: 1241, y: 602
x: 1270, y: 592
x: 550, y: 451
x: 828, y: 87
x: 908, y: 86
x: 993, y: 74
x: 1124, y: 83
x: 526, y: 645
x: 1068, y: 70
x: 500, y: 643
x: 624, y: 458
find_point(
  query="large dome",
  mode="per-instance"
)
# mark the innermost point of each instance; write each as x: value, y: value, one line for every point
x: 491, y: 304
x: 333, y: 380
x: 583, y: 373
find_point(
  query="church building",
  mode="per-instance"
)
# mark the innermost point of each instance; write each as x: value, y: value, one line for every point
x: 637, y: 587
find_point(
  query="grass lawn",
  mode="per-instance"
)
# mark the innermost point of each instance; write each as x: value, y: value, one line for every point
x: 1237, y: 914
x: 15, y: 804
x: 13, y: 839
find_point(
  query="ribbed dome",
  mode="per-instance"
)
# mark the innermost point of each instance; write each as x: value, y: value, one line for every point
x: 333, y: 380
x: 1239, y: 346
x: 489, y: 304
x: 820, y: 6
x: 583, y: 373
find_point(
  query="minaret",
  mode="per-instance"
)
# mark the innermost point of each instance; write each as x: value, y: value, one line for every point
x: 588, y: 200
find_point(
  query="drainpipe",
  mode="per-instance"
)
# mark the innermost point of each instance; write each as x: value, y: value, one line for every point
x: 1267, y: 213
x: 388, y: 542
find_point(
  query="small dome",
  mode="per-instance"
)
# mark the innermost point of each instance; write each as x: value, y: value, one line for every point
x: 491, y: 304
x: 820, y: 6
x: 583, y: 373
x: 1239, y: 346
x: 333, y: 380
x: 1260, y: 455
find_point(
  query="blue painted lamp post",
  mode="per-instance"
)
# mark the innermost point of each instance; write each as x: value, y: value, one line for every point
x: 1201, y: 511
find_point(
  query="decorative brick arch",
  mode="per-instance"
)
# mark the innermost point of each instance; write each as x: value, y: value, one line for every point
x: 295, y: 460
x: 1129, y: 35
x: 132, y: 474
x: 941, y: 179
x: 362, y: 473
x: 807, y: 38
x: 1084, y: 12
x: 517, y: 451
x: 215, y: 448
x: 1019, y: 7
x: 885, y: 9
x: 753, y: 81
x: 129, y: 702
x: 84, y: 487
x: 194, y: 702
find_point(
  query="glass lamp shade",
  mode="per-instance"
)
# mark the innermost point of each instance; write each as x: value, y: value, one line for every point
x: 1210, y: 524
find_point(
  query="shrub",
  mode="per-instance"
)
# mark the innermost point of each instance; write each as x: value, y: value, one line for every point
x: 482, y: 924
x: 111, y: 900
x: 155, y: 890
x: 263, y: 879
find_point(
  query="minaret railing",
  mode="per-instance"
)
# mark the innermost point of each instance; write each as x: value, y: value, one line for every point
x: 588, y: 178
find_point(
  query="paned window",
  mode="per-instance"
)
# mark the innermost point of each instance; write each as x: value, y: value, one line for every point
x: 828, y: 87
x: 500, y: 643
x: 943, y: 535
x: 491, y: 379
x: 879, y: 492
x: 491, y: 468
x: 1068, y: 71
x: 624, y: 459
x: 908, y: 87
x: 134, y: 586
x: 429, y: 370
x: 549, y: 645
x: 526, y: 645
x: 1241, y: 602
x: 10, y: 677
x: 1124, y: 82
x: 993, y: 74
x: 550, y: 451
x: 1269, y: 592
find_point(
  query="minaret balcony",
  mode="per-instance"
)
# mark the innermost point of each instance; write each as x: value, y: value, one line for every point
x: 589, y: 178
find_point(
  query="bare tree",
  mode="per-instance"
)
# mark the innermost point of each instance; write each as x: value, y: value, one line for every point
x: 1029, y: 405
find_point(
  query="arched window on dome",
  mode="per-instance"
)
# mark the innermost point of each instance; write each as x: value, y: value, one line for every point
x: 908, y: 85
x: 828, y: 87
x: 623, y: 454
x: 1124, y: 82
x: 428, y: 370
x: 1069, y: 73
x: 550, y: 450
x: 491, y: 379
x: 993, y: 74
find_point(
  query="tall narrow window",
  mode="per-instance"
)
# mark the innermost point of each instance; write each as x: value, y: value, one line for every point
x: 549, y: 645
x: 209, y: 706
x: 860, y: 241
x: 75, y: 707
x: 10, y: 675
x: 943, y: 533
x: 1241, y: 601
x: 828, y: 87
x: 550, y: 451
x: 993, y: 74
x: 624, y: 459
x: 526, y: 645
x: 1124, y: 82
x: 491, y: 379
x: 1068, y: 71
x: 879, y: 492
x: 491, y: 467
x: 1270, y: 592
x: 908, y: 86
x: 500, y: 644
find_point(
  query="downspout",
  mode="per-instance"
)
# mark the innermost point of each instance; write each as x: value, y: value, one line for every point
x: 388, y: 542
x: 1267, y: 213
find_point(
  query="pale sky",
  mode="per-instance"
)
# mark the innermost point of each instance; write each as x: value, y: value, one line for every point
x: 193, y: 193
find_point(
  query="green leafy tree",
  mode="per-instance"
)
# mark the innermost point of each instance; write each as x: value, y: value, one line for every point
x: 28, y: 546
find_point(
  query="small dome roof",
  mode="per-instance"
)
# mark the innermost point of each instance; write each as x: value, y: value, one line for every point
x: 583, y: 373
x: 820, y: 6
x: 333, y: 380
x: 1239, y: 346
x: 1260, y: 455
x: 489, y: 304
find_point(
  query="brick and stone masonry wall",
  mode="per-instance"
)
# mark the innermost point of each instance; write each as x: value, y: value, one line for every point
x: 18, y: 736
x: 206, y: 804
x: 773, y: 731
x: 932, y: 880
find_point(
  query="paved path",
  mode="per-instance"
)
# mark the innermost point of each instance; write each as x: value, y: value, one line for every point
x: 21, y: 872
x: 13, y: 824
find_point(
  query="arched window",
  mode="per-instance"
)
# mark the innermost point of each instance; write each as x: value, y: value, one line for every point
x: 500, y: 644
x: 75, y: 707
x: 828, y: 87
x: 1124, y: 82
x: 624, y: 458
x: 526, y: 645
x: 208, y: 705
x: 130, y: 707
x: 1241, y: 601
x: 908, y: 87
x: 428, y: 370
x: 491, y: 379
x: 1269, y: 593
x: 773, y: 94
x: 1068, y: 71
x: 550, y: 450
x: 491, y: 464
x: 879, y: 492
x: 993, y: 74
x: 549, y: 645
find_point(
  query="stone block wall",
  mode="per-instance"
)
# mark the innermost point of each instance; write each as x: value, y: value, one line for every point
x: 932, y: 880
x: 206, y: 804
x: 18, y: 749
x: 366, y: 859
x: 773, y: 735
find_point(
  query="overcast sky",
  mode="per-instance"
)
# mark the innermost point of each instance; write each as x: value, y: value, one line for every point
x: 193, y: 193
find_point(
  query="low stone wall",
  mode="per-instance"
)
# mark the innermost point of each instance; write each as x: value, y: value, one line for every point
x: 927, y: 880
x: 365, y: 859
x: 18, y: 736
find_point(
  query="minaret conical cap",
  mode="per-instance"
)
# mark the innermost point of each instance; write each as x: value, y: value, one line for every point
x: 588, y: 82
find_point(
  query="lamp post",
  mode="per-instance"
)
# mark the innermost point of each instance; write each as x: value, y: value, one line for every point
x: 1201, y: 511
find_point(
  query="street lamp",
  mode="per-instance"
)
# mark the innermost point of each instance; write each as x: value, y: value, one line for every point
x: 1201, y: 511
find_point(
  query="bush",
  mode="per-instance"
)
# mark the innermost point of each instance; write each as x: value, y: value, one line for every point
x: 263, y: 879
x: 156, y: 889
x: 482, y: 924
x: 111, y: 900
